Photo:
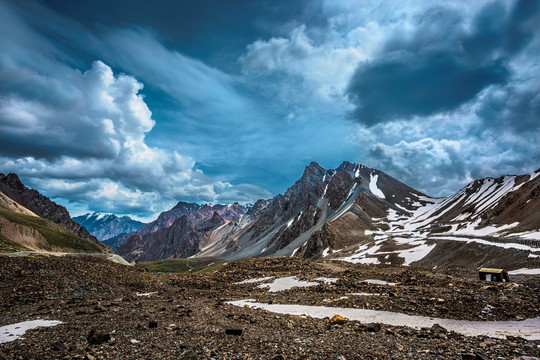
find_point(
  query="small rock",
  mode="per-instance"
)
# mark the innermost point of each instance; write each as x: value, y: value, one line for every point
x: 438, y: 328
x: 152, y: 324
x: 338, y: 319
x: 236, y: 332
x: 187, y: 355
x: 373, y: 327
x: 278, y: 357
x: 97, y: 337
x: 58, y: 345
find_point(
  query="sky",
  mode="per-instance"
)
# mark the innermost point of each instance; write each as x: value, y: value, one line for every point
x: 130, y: 106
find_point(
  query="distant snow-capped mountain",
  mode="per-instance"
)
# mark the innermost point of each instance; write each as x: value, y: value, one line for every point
x: 106, y: 226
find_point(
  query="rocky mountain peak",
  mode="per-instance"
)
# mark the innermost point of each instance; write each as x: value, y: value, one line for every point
x: 216, y: 220
x: 314, y: 169
x: 354, y: 169
x: 13, y: 181
x: 182, y: 205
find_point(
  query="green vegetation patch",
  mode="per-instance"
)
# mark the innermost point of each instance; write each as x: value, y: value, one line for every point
x: 53, y: 233
x: 184, y: 265
x: 8, y: 246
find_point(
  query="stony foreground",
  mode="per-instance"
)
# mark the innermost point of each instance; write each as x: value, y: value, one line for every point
x: 185, y: 316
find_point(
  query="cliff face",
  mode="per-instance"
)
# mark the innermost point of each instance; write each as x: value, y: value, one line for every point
x: 42, y: 206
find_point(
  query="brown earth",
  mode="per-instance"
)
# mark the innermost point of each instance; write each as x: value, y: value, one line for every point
x: 23, y: 235
x: 188, y: 317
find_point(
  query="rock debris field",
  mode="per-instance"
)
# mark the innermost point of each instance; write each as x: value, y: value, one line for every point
x: 76, y: 307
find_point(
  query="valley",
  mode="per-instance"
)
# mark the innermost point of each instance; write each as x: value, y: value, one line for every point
x: 269, y: 180
x: 347, y: 261
x: 110, y: 311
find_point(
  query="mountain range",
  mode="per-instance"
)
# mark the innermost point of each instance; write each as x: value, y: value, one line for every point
x: 106, y: 226
x: 353, y: 213
x: 357, y: 214
x: 179, y: 232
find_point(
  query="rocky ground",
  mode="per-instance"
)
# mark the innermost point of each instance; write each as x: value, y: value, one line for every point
x: 188, y: 318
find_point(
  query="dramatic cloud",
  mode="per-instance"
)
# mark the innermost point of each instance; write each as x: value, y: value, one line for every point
x: 427, y: 157
x: 190, y: 82
x: 322, y: 70
x: 81, y: 135
x: 442, y: 63
x: 130, y: 112
x: 91, y: 114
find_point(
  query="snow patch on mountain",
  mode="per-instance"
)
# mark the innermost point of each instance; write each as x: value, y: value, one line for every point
x: 373, y: 186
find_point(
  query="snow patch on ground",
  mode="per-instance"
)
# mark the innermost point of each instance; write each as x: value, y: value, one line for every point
x: 528, y: 329
x: 525, y: 271
x: 364, y: 294
x: 379, y: 282
x: 13, y: 332
x: 254, y: 280
x: 327, y: 280
x: 370, y: 260
x: 286, y: 283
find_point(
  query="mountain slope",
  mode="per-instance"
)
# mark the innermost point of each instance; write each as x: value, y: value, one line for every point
x: 37, y: 233
x: 6, y: 203
x: 349, y: 198
x: 364, y: 215
x: 108, y: 225
x: 499, y: 207
x: 179, y: 232
x: 21, y: 229
x: 42, y: 206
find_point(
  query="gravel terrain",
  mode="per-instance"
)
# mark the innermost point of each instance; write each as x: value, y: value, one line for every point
x: 112, y: 311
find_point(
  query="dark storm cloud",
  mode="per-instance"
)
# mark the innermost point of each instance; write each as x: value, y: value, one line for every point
x: 512, y: 108
x: 214, y: 31
x: 443, y: 65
